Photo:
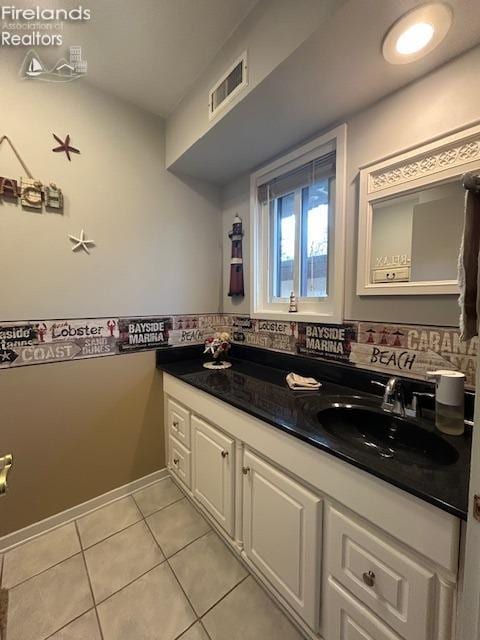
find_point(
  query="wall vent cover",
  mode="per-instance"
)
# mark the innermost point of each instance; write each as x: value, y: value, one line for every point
x: 229, y: 85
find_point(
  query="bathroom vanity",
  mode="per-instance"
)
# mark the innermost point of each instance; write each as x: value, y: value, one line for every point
x: 355, y: 530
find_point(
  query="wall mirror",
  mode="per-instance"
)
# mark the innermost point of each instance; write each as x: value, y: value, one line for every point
x: 411, y: 217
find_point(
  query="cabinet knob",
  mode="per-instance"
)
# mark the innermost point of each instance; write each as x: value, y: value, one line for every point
x: 176, y: 461
x: 175, y: 424
x: 369, y: 578
x: 245, y: 470
x: 224, y: 453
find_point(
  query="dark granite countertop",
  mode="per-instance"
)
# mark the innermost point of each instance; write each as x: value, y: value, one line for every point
x: 262, y: 392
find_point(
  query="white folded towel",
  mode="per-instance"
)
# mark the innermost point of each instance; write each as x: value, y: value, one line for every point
x: 468, y: 268
x: 297, y: 382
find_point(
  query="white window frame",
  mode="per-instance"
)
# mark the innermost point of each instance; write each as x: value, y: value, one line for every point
x: 330, y: 308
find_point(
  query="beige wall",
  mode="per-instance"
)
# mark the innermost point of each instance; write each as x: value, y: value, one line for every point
x: 442, y: 101
x: 77, y: 430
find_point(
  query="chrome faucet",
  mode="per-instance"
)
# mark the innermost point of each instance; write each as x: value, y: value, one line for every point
x: 394, y: 399
x: 393, y: 396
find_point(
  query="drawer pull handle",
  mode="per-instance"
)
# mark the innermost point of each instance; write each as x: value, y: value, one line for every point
x: 176, y: 461
x: 224, y: 453
x: 245, y: 470
x: 369, y: 578
x: 175, y: 424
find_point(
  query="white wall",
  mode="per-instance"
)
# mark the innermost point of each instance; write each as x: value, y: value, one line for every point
x: 158, y: 237
x: 442, y: 101
x: 270, y: 33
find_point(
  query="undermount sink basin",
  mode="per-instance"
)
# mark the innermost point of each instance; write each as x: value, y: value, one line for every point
x: 387, y: 436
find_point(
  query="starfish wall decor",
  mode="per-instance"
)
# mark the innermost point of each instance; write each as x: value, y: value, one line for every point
x: 64, y: 146
x: 81, y: 242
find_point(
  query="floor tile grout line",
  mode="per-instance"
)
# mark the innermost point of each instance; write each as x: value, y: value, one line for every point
x: 69, y: 622
x: 110, y: 535
x: 211, y: 530
x: 188, y: 544
x: 180, y: 636
x: 176, y: 578
x: 202, y: 624
x: 160, y: 508
x: 199, y: 617
x: 128, y: 584
x: 90, y: 585
x: 225, y: 595
x: 43, y: 570
x: 35, y: 575
x: 81, y: 550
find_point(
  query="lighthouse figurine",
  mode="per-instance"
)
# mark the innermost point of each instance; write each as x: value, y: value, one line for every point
x: 236, y: 262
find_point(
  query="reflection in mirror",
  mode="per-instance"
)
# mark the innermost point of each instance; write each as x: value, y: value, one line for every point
x: 416, y: 236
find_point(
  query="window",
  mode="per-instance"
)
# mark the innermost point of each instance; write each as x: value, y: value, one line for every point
x: 297, y: 218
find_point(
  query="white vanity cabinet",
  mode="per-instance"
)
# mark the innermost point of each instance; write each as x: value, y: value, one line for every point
x: 348, y: 556
x: 282, y: 534
x: 213, y: 471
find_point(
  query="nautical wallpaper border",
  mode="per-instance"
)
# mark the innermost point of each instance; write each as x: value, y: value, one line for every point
x: 408, y: 350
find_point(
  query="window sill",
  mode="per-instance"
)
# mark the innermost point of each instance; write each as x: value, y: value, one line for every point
x: 299, y: 316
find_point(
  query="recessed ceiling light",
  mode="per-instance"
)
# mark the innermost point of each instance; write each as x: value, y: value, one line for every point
x: 417, y: 33
x: 415, y: 38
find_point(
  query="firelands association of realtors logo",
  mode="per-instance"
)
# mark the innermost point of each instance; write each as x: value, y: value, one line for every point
x: 62, y: 71
x: 43, y: 27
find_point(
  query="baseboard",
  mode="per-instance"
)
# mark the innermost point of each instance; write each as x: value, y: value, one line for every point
x: 15, y: 538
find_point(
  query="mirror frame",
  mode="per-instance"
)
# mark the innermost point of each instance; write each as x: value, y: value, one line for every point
x: 437, y: 162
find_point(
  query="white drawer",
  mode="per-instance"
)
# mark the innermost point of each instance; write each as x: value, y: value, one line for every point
x: 179, y: 461
x: 347, y: 619
x: 178, y: 422
x: 395, y: 586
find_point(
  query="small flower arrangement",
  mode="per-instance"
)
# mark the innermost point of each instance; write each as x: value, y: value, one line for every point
x: 218, y: 346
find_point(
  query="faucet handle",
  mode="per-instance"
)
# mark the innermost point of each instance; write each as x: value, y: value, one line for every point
x: 416, y: 403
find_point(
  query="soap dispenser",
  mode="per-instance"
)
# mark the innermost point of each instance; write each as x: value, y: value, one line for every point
x: 449, y: 400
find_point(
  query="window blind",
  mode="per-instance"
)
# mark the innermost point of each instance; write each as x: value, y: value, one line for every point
x: 303, y: 176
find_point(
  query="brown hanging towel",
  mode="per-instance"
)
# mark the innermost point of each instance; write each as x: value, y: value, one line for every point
x: 236, y: 262
x: 468, y: 262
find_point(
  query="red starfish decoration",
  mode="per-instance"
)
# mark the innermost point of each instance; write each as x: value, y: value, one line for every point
x: 65, y: 146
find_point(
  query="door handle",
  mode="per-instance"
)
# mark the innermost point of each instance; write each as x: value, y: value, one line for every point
x: 6, y: 463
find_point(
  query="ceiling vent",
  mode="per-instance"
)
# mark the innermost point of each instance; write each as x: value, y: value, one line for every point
x: 229, y: 85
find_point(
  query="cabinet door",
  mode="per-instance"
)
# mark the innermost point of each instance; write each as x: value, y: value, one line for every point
x: 282, y: 534
x: 213, y: 471
x: 347, y: 619
x: 178, y: 420
x: 179, y: 461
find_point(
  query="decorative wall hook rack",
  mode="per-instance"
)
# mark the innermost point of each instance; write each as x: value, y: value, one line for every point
x: 18, y: 156
x: 32, y: 193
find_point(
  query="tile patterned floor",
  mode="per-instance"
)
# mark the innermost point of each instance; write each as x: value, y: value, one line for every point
x: 146, y: 567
